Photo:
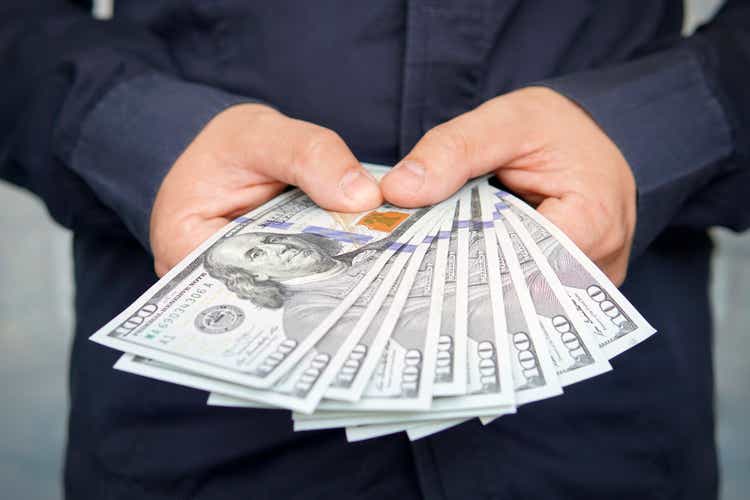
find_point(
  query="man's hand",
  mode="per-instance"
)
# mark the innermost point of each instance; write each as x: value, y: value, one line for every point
x: 242, y: 158
x: 546, y: 148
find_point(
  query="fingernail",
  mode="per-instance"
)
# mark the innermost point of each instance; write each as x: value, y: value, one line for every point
x: 357, y: 186
x: 410, y: 175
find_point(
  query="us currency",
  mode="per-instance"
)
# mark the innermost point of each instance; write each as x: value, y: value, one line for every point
x: 489, y: 366
x: 403, y: 378
x: 145, y: 367
x: 336, y: 419
x: 251, y: 301
x: 534, y: 375
x: 573, y: 351
x: 414, y: 431
x: 282, y: 394
x: 489, y: 375
x: 298, y: 389
x: 333, y: 419
x: 616, y: 324
x: 353, y: 377
x: 443, y: 311
x: 425, y: 429
x: 364, y: 432
x: 338, y: 341
x: 450, y: 376
x: 450, y: 367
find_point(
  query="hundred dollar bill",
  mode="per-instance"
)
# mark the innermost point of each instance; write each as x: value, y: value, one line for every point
x: 298, y: 390
x: 352, y: 377
x: 450, y: 367
x: 450, y: 370
x: 350, y: 325
x: 441, y: 318
x: 145, y: 367
x: 251, y: 301
x: 489, y: 373
x: 534, y: 376
x: 293, y: 391
x: 616, y: 324
x: 402, y: 380
x: 415, y: 431
x: 425, y: 429
x: 533, y: 373
x: 489, y: 367
x: 364, y: 432
x: 333, y: 419
x: 573, y: 351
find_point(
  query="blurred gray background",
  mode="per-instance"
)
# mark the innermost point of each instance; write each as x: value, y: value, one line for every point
x: 36, y: 321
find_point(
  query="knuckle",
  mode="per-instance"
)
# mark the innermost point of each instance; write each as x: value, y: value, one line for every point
x: 602, y: 232
x: 587, y: 241
x: 159, y: 268
x: 320, y: 142
x: 585, y: 229
x: 244, y: 122
x: 615, y: 240
x: 311, y: 151
x: 621, y: 238
x: 612, y: 241
x: 618, y: 275
x: 261, y: 119
x: 451, y: 141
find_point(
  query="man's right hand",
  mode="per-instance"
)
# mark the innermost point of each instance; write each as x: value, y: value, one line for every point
x: 243, y: 157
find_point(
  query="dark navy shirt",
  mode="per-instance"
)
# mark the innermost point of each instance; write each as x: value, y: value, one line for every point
x: 94, y: 113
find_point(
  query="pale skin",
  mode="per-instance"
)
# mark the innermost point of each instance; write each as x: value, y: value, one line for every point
x: 538, y: 143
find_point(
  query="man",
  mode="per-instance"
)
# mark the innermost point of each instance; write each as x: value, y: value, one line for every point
x: 147, y: 133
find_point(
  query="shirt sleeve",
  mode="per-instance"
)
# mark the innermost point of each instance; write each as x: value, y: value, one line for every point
x: 681, y: 118
x: 94, y: 113
x: 134, y: 134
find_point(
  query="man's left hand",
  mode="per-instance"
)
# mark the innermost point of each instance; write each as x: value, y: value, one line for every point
x: 544, y: 147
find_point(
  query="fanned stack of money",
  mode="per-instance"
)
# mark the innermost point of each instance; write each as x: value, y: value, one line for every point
x: 391, y: 320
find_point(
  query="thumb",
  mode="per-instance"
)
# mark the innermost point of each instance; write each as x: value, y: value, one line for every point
x: 313, y: 158
x: 451, y: 153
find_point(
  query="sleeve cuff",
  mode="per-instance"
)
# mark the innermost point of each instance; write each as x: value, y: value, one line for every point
x: 661, y: 113
x: 130, y: 140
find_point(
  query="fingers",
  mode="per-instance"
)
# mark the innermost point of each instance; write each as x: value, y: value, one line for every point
x: 328, y: 172
x: 192, y: 232
x: 602, y: 241
x: 447, y: 156
x: 192, y: 228
x: 313, y: 158
x: 231, y: 204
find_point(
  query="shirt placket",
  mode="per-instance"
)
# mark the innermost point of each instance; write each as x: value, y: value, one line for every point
x: 447, y: 46
x: 446, y: 50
